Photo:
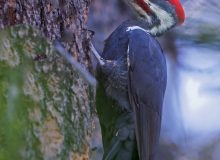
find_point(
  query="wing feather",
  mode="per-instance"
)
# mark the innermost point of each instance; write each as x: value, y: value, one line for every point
x: 146, y: 86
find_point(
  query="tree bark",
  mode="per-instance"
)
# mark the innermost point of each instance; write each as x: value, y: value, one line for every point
x: 58, y: 104
x: 57, y: 19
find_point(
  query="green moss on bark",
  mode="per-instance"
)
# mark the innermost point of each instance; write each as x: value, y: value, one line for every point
x: 45, y: 106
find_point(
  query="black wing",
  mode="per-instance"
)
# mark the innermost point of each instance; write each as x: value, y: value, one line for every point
x: 147, y: 83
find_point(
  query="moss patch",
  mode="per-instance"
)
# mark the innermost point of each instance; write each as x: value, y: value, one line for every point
x: 45, y: 106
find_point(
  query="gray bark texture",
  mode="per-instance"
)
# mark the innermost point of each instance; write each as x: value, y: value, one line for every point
x: 57, y: 19
x: 46, y: 106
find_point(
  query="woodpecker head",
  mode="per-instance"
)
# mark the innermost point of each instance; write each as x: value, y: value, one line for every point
x: 161, y: 15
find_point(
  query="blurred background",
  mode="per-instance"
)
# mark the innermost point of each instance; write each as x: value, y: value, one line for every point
x: 191, y: 113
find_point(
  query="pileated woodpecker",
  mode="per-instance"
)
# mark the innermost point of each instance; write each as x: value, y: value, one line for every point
x: 132, y: 81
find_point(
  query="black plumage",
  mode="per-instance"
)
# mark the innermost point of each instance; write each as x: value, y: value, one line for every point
x: 130, y: 93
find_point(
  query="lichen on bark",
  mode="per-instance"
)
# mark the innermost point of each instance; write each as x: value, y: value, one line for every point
x: 45, y: 106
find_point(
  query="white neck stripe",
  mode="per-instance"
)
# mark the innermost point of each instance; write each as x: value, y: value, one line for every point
x: 136, y: 28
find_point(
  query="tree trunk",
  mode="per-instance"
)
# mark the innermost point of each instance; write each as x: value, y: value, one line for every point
x: 64, y: 20
x: 46, y: 107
